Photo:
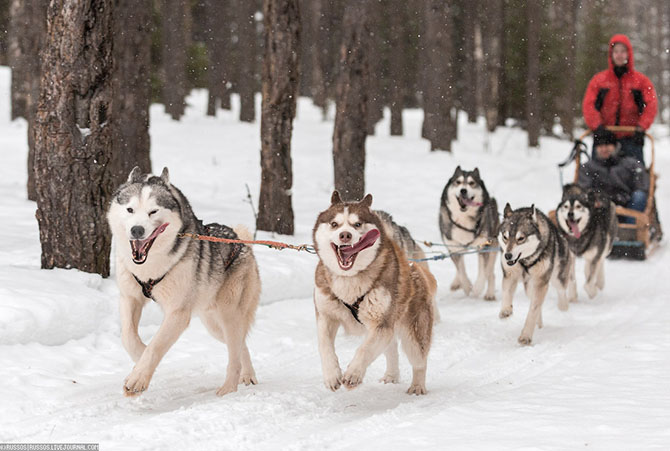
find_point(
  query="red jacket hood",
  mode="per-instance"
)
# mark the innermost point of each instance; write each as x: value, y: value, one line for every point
x: 623, y: 39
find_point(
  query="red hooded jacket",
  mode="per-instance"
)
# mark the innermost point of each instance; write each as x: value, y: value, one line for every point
x: 629, y: 100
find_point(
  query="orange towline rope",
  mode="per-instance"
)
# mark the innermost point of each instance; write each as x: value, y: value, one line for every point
x: 272, y: 244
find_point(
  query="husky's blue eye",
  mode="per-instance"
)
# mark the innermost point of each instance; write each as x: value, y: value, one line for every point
x: 153, y: 212
x: 130, y: 210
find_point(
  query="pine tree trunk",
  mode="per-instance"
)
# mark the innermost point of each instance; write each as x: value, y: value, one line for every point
x: 132, y: 87
x: 218, y: 35
x: 281, y: 20
x: 352, y: 103
x: 318, y: 52
x: 492, y: 38
x: 398, y: 48
x: 470, y: 93
x: 534, y: 15
x: 75, y: 132
x: 175, y: 43
x: 247, y: 47
x: 26, y: 36
x: 375, y: 94
x: 439, y: 126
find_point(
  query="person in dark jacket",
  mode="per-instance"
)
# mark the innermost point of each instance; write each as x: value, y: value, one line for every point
x: 623, y: 179
x: 620, y: 95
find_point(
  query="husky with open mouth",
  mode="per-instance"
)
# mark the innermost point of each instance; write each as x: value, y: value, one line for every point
x: 588, y: 221
x: 217, y: 281
x: 365, y: 283
x: 469, y: 219
x: 536, y: 253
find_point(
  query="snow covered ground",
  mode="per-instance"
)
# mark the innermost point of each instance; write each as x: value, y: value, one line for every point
x: 596, y: 377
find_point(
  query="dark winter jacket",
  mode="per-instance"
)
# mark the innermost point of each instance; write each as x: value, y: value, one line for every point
x: 626, y: 100
x: 615, y: 177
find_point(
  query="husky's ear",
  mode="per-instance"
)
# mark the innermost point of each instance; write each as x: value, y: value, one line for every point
x: 476, y: 173
x: 335, y: 198
x: 508, y: 210
x: 135, y: 175
x: 367, y: 201
x: 165, y: 176
x: 533, y: 213
x: 458, y: 170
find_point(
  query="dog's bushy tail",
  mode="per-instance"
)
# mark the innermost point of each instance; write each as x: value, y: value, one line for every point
x: 243, y: 233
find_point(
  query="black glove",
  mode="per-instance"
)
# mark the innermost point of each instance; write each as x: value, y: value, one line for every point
x: 603, y: 136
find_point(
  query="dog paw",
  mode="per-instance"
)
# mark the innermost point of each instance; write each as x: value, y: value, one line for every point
x: 352, y: 378
x: 524, y: 340
x: 226, y: 388
x: 478, y: 288
x: 504, y: 313
x: 456, y: 284
x: 333, y: 379
x: 136, y: 382
x: 417, y: 389
x: 248, y: 379
x: 390, y: 378
x: 591, y: 290
x: 467, y: 288
x: 490, y: 297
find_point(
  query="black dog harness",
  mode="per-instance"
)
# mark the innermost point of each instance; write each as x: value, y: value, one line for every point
x: 353, y: 308
x: 148, y: 286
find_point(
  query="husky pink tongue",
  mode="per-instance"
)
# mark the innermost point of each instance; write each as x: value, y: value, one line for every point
x: 574, y: 228
x: 364, y: 243
x: 471, y: 202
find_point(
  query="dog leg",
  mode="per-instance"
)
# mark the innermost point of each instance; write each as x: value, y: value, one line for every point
x: 461, y: 275
x: 562, y: 290
x: 600, y: 278
x: 509, y: 283
x: 416, y: 344
x: 376, y: 341
x: 174, y: 323
x: 572, y: 285
x: 490, y: 258
x: 591, y: 271
x: 392, y: 375
x: 478, y: 287
x: 235, y: 336
x: 130, y: 313
x: 248, y: 375
x: 326, y: 331
x: 537, y: 292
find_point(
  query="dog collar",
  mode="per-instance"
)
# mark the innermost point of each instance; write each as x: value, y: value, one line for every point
x: 148, y: 286
x: 353, y: 308
x: 460, y: 226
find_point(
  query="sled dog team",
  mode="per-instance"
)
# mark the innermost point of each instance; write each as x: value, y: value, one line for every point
x: 369, y: 280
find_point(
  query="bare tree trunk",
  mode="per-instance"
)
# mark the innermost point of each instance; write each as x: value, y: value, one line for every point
x: 352, y: 103
x: 74, y: 136
x: 438, y: 93
x: 280, y: 87
x: 534, y: 15
x: 492, y: 36
x: 132, y: 87
x: 247, y: 48
x: 470, y: 95
x: 26, y: 36
x: 658, y: 55
x: 175, y: 43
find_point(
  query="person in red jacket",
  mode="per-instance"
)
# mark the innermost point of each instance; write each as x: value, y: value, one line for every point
x: 620, y: 95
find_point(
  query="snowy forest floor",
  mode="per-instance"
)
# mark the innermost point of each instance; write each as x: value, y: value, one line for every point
x: 596, y: 377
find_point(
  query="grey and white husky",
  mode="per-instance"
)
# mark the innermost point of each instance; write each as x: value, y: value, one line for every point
x: 365, y: 283
x: 217, y: 281
x: 469, y: 217
x: 535, y: 252
x: 588, y: 221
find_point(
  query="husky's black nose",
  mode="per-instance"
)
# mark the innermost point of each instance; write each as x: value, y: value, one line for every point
x: 508, y: 256
x: 345, y: 237
x: 464, y: 192
x: 137, y: 232
x: 571, y: 216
